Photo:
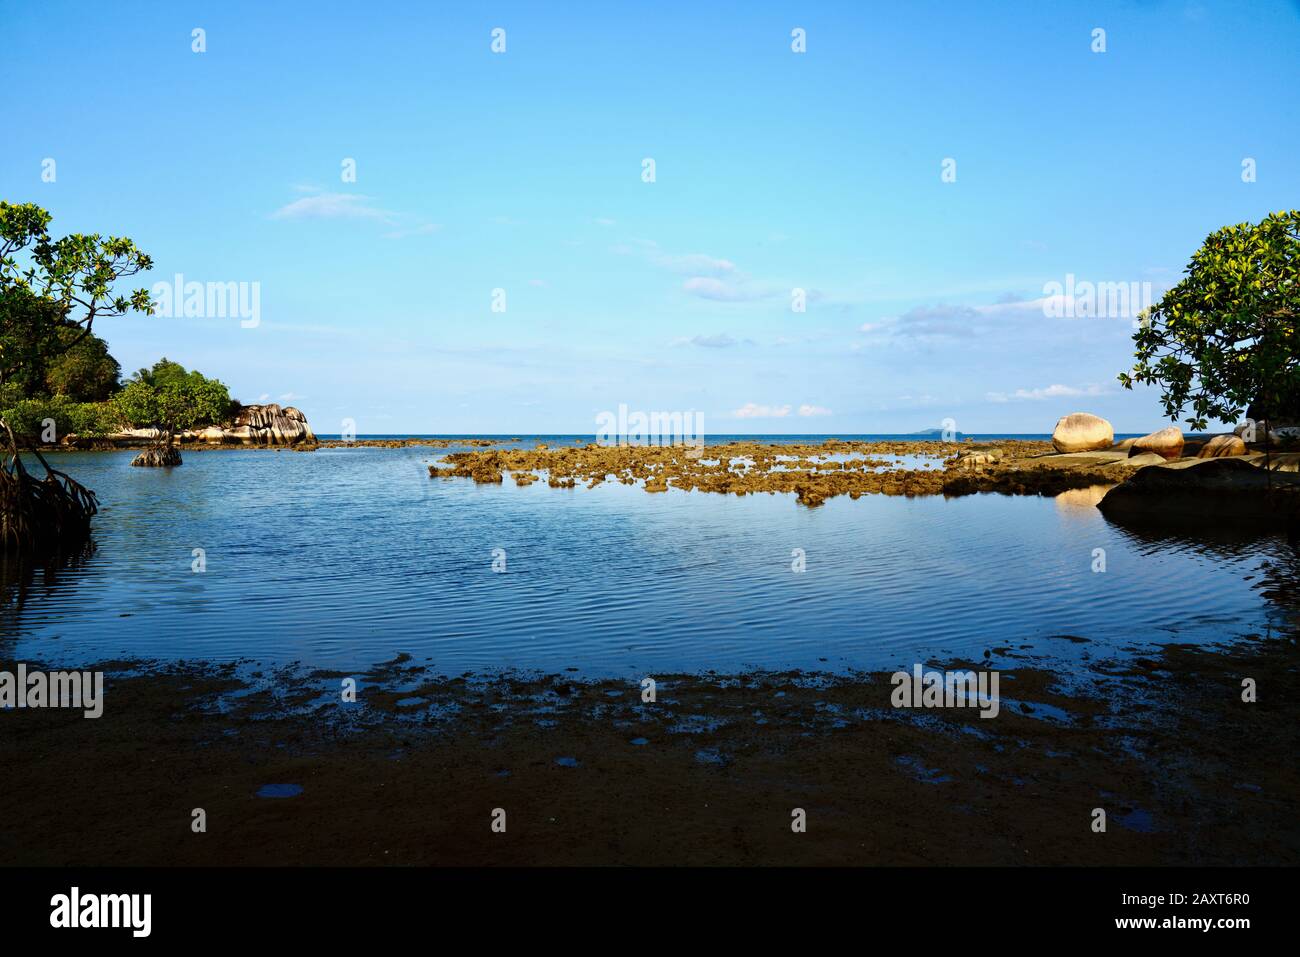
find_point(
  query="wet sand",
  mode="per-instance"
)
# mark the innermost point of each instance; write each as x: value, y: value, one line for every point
x: 708, y: 774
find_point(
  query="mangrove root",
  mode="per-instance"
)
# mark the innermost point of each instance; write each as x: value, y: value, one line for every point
x: 42, y: 516
x: 158, y: 456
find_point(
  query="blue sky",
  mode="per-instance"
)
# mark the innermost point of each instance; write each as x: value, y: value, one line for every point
x: 774, y: 170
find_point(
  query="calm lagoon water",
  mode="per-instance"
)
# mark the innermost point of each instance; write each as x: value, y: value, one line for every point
x: 343, y: 558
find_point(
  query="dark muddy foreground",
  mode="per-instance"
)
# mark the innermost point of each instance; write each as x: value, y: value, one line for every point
x: 709, y: 774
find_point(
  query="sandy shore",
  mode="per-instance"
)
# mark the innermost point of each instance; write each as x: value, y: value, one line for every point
x: 708, y: 774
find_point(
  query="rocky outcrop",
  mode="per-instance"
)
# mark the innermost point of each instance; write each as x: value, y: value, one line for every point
x: 1082, y: 432
x: 253, y: 425
x: 138, y: 435
x: 1168, y: 443
x: 1197, y: 488
x: 272, y: 425
x: 1222, y: 446
x: 258, y: 425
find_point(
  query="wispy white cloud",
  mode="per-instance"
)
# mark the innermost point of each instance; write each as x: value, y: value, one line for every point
x: 959, y: 321
x: 719, y: 290
x: 751, y: 410
x: 687, y: 264
x: 333, y: 206
x: 709, y: 277
x: 1049, y: 392
x: 321, y: 204
x: 719, y: 340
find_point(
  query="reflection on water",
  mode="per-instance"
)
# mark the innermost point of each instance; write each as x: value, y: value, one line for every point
x: 1262, y: 548
x: 345, y: 557
x: 24, y: 579
x: 1082, y: 497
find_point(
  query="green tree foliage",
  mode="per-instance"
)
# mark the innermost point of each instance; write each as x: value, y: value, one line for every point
x: 1229, y: 333
x: 53, y: 290
x: 85, y: 373
x: 29, y: 417
x: 51, y: 293
x: 52, y: 365
x: 169, y: 397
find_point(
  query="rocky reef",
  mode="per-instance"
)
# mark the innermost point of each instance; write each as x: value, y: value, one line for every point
x: 813, y: 472
x: 1082, y: 455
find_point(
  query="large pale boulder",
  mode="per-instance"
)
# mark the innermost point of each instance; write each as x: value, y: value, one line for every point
x: 137, y: 434
x: 271, y: 425
x: 1082, y: 432
x: 214, y: 434
x: 1168, y: 442
x: 1222, y: 446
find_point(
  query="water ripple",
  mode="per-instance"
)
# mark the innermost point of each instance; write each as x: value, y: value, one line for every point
x: 349, y: 557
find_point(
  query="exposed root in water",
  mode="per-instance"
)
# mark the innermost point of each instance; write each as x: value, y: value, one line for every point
x: 162, y: 455
x: 41, y: 516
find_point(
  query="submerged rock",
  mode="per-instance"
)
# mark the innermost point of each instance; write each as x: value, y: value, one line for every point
x: 1082, y: 432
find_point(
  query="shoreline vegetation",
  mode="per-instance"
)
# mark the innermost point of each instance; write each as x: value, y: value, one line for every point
x: 587, y: 772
